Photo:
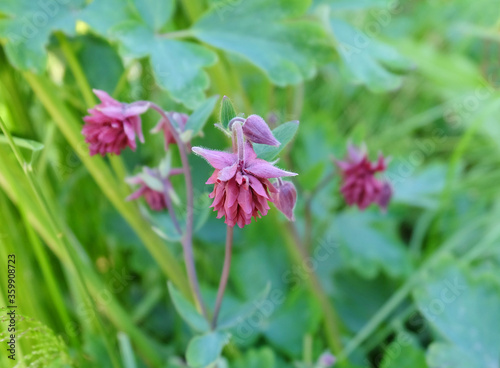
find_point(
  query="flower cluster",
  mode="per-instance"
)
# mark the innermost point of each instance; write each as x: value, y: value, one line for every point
x: 359, y: 185
x: 242, y: 189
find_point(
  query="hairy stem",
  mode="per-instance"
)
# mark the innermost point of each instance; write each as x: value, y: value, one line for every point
x: 187, y: 240
x: 225, y: 275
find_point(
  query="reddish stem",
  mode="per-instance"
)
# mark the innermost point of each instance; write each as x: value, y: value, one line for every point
x: 187, y: 241
x: 225, y: 275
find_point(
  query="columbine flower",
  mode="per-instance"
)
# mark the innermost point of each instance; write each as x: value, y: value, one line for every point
x: 155, y: 187
x: 241, y: 180
x: 359, y: 185
x: 176, y: 118
x: 326, y: 360
x: 113, y: 125
x: 285, y: 198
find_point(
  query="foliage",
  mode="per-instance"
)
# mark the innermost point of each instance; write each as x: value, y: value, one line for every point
x: 102, y: 279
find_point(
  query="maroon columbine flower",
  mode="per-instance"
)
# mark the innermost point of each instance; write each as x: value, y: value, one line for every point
x: 178, y: 119
x: 155, y: 187
x: 241, y: 180
x: 285, y: 198
x: 113, y: 125
x: 359, y: 185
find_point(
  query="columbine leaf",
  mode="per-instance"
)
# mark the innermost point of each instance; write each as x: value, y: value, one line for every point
x: 187, y: 311
x: 226, y: 111
x: 155, y: 12
x: 422, y: 189
x: 177, y: 65
x: 409, y: 354
x: 229, y: 320
x: 353, y: 4
x: 263, y: 358
x: 288, y: 52
x: 286, y: 327
x: 199, y: 117
x: 369, y: 243
x: 366, y: 57
x: 28, y: 27
x: 463, y: 309
x: 204, y: 350
x: 284, y: 134
x: 105, y: 74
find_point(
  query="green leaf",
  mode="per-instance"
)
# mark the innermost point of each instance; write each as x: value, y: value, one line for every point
x: 261, y: 31
x: 365, y: 57
x: 421, y: 189
x: 354, y: 4
x: 463, y: 309
x: 358, y: 298
x: 187, y: 311
x: 204, y: 350
x: 288, y: 325
x: 177, y: 65
x: 284, y: 134
x: 155, y: 13
x: 226, y: 111
x: 24, y: 143
x: 369, y: 243
x: 107, y: 72
x: 151, y: 181
x: 184, y: 80
x: 263, y: 358
x: 230, y: 320
x: 402, y: 353
x: 104, y: 15
x: 28, y: 27
x: 199, y: 117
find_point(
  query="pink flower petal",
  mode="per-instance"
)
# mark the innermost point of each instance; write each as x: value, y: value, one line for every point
x: 218, y: 159
x: 105, y: 97
x: 264, y: 169
x: 228, y: 172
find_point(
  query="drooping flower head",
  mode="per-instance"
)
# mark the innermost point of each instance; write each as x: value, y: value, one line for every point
x: 112, y: 125
x: 177, y: 119
x: 242, y: 188
x: 360, y: 186
x: 155, y: 187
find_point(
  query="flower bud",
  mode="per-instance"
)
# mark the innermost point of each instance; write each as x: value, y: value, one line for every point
x: 326, y: 360
x: 385, y: 195
x: 256, y: 130
x: 285, y: 198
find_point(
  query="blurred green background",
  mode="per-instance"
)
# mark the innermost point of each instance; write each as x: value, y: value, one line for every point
x: 418, y: 286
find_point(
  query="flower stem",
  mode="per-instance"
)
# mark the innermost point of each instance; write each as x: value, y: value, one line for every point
x: 308, y: 209
x: 187, y: 240
x: 225, y: 275
x: 299, y: 254
x: 184, y: 33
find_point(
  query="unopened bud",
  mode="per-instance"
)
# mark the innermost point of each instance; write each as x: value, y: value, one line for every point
x: 256, y: 130
x: 285, y: 198
x: 326, y: 360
